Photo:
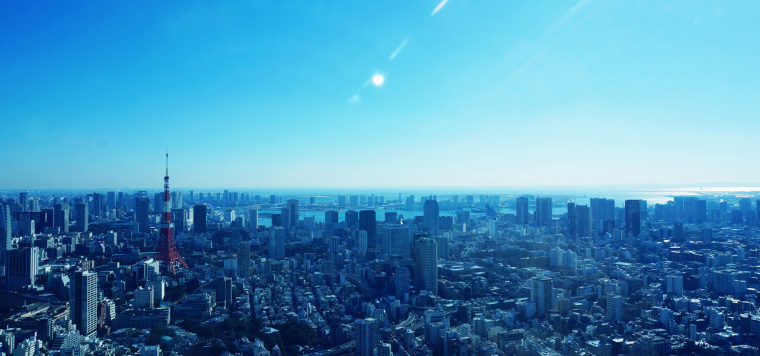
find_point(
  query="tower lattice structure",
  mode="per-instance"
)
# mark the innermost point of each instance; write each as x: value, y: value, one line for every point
x: 167, y: 249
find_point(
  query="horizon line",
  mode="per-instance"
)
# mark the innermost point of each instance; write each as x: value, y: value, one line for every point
x: 711, y: 187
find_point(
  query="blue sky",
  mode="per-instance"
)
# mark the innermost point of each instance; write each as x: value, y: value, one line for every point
x: 484, y: 93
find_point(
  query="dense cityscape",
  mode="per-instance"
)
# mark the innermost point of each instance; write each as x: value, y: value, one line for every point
x: 198, y: 272
x: 380, y: 178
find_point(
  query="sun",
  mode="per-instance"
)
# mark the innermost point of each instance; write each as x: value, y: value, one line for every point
x: 378, y: 79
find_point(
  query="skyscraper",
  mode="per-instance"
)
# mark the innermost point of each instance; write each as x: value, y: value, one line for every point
x: 700, y: 211
x: 368, y: 223
x: 224, y: 292
x: 403, y: 278
x: 681, y: 205
x: 542, y: 293
x: 61, y: 216
x: 82, y: 216
x: 572, y: 221
x: 601, y: 209
x: 199, y: 219
x: 24, y: 201
x: 352, y: 218
x: 333, y: 245
x: 158, y: 202
x: 244, y: 260
x: 543, y: 211
x: 291, y: 224
x: 276, y: 219
x: 34, y: 204
x: 443, y: 246
x: 98, y: 204
x: 5, y: 230
x: 366, y: 336
x: 331, y: 219
x: 583, y: 224
x: 361, y: 242
x: 284, y: 218
x: 176, y: 200
x: 430, y: 218
x: 410, y: 202
x: 180, y: 220
x: 615, y: 307
x: 277, y: 243
x: 144, y: 298
x: 398, y: 241
x: 523, y: 217
x: 21, y: 268
x: 142, y: 210
x: 632, y: 218
x: 425, y: 265
x: 253, y: 219
x: 745, y: 205
x: 84, y: 303
x: 111, y: 200
x: 49, y: 216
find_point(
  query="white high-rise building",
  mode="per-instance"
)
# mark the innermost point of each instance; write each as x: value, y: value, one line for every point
x: 144, y: 298
x: 615, y: 307
x: 84, y: 304
x: 176, y: 200
x: 542, y: 293
x: 493, y: 227
x: 366, y: 336
x: 426, y: 265
x: 569, y: 260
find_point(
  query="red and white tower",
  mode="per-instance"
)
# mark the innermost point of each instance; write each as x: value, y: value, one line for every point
x: 167, y: 250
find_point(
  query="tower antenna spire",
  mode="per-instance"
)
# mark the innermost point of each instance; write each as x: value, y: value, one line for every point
x: 166, y: 249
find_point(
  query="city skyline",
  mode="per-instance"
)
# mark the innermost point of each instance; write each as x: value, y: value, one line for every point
x: 480, y: 274
x: 287, y: 95
x: 396, y: 178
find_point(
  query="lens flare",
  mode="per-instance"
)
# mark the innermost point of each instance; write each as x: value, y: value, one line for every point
x: 378, y: 79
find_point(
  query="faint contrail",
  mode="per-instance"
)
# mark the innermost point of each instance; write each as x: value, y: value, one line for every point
x: 439, y: 7
x: 552, y: 31
x: 400, y: 47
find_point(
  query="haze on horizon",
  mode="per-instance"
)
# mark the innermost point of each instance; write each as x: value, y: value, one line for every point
x: 397, y: 94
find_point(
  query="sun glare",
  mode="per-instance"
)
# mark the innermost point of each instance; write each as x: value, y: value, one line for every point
x: 378, y: 79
